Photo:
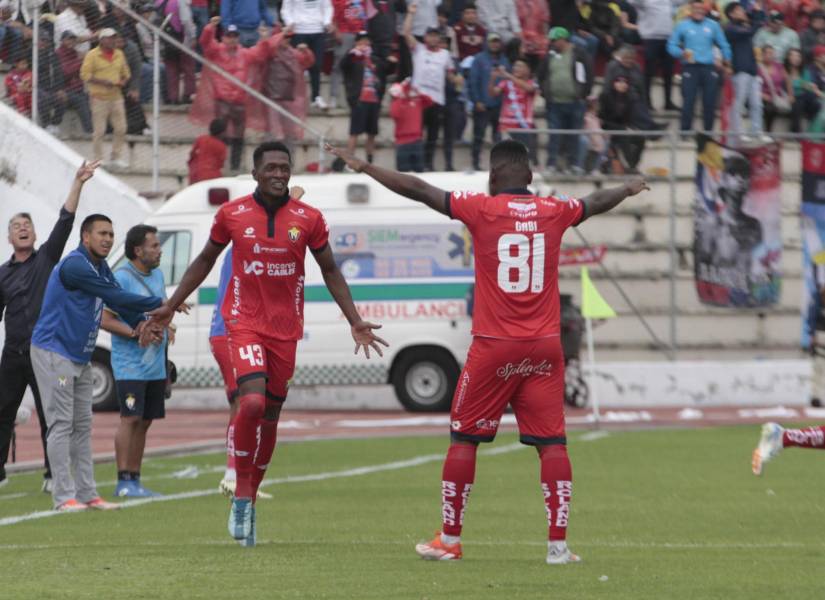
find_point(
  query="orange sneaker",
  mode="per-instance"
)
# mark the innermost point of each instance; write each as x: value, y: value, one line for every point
x: 435, y: 549
x: 71, y: 506
x: 100, y: 504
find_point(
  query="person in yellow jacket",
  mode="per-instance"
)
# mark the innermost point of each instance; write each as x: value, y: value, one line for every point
x: 105, y: 72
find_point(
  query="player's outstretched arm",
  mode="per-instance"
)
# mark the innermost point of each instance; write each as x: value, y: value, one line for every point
x: 337, y: 286
x: 193, y: 277
x: 604, y: 200
x: 405, y: 185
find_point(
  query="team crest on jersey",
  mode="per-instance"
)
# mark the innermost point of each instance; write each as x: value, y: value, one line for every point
x: 130, y: 401
x: 62, y: 381
x: 294, y: 234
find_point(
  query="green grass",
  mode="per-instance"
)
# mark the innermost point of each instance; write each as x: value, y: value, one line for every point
x: 662, y: 514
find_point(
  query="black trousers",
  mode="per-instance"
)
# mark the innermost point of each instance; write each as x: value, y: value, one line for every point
x: 482, y: 119
x: 433, y: 118
x: 16, y: 374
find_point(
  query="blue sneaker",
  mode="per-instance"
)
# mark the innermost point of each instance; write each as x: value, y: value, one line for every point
x: 249, y: 541
x: 142, y: 492
x: 240, y: 518
x: 126, y: 489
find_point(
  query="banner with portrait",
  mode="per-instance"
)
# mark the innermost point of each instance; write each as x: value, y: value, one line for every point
x: 812, y: 229
x: 737, y: 242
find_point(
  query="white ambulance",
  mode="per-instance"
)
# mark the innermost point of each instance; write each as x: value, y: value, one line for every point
x: 409, y: 268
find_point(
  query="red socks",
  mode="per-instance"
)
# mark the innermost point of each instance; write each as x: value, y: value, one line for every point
x: 557, y: 486
x: 456, y: 482
x: 246, y: 440
x: 268, y: 432
x: 809, y: 437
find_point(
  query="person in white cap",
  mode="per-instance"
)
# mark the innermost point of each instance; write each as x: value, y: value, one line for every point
x: 105, y: 72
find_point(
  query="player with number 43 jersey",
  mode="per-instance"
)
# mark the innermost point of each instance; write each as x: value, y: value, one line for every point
x: 515, y: 357
x: 263, y: 310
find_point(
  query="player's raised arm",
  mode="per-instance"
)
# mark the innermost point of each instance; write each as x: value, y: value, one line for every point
x: 193, y: 277
x: 405, y: 185
x: 337, y: 286
x: 605, y: 200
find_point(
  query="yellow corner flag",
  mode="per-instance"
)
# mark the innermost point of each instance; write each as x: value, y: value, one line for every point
x: 593, y: 305
x: 819, y: 257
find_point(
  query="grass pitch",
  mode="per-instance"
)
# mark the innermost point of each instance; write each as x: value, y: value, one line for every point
x: 655, y: 514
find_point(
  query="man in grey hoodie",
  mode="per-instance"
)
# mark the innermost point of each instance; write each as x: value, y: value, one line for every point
x: 655, y: 26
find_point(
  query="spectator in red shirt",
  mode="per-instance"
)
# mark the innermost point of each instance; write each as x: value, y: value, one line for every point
x: 70, y: 61
x: 218, y: 97
x: 349, y: 17
x: 19, y: 86
x: 363, y: 75
x: 518, y: 93
x: 407, y: 110
x: 208, y: 153
x: 467, y: 35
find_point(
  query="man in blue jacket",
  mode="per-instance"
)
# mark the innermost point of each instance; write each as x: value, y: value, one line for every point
x: 746, y: 81
x: 693, y: 41
x: 486, y: 108
x: 61, y: 348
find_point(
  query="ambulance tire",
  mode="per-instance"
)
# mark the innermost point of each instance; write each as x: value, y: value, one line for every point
x: 104, y: 397
x: 425, y: 378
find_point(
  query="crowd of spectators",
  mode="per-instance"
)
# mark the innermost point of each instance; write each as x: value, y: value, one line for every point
x: 455, y: 61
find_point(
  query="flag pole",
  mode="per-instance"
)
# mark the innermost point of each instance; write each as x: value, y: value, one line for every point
x: 591, y: 368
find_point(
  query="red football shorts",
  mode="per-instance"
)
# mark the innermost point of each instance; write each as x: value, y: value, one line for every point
x: 254, y: 355
x: 526, y: 374
x: 219, y: 345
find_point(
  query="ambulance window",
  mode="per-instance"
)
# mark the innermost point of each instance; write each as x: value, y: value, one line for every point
x: 176, y: 246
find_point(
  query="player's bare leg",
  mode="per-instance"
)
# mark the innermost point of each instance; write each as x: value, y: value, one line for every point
x: 557, y: 488
x: 774, y: 438
x: 457, y: 477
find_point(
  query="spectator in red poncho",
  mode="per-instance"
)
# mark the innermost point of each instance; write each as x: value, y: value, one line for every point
x: 407, y: 111
x: 217, y: 97
x: 279, y: 75
x: 534, y: 17
x: 208, y: 154
x: 19, y: 86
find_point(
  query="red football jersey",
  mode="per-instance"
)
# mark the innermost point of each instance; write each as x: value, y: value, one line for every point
x: 516, y: 241
x: 266, y: 291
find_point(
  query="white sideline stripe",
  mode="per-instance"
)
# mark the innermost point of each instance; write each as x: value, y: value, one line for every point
x: 354, y: 472
x: 466, y: 543
x: 592, y: 436
x: 13, y: 496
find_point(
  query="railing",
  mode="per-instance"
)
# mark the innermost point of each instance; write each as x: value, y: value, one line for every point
x: 158, y: 125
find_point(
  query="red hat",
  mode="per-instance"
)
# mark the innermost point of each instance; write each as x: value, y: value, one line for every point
x: 819, y: 51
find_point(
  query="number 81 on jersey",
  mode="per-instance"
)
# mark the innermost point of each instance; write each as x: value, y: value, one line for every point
x: 520, y: 262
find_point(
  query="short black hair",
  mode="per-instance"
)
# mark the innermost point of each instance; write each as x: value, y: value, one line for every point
x: 86, y: 226
x: 469, y: 6
x: 269, y: 147
x: 217, y: 127
x: 135, y: 237
x: 509, y: 152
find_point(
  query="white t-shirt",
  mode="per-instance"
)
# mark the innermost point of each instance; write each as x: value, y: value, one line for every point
x: 430, y: 68
x: 69, y: 20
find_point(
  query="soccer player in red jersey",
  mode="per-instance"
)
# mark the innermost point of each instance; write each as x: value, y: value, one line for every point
x: 263, y: 310
x: 515, y: 357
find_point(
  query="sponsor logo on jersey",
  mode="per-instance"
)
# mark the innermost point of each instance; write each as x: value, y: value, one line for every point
x: 525, y: 368
x: 456, y: 425
x: 294, y: 234
x: 62, y: 381
x: 241, y: 209
x: 300, y: 212
x: 130, y: 401
x: 249, y: 232
x: 487, y: 424
x: 257, y: 267
x: 527, y: 226
x: 258, y: 249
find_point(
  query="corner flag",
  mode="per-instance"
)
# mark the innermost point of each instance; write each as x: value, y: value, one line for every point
x: 593, y: 305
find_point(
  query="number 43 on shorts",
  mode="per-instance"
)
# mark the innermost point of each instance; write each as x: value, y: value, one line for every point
x: 507, y: 262
x: 253, y: 354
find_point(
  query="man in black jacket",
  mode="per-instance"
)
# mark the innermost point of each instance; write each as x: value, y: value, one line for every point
x: 22, y: 284
x: 566, y: 78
